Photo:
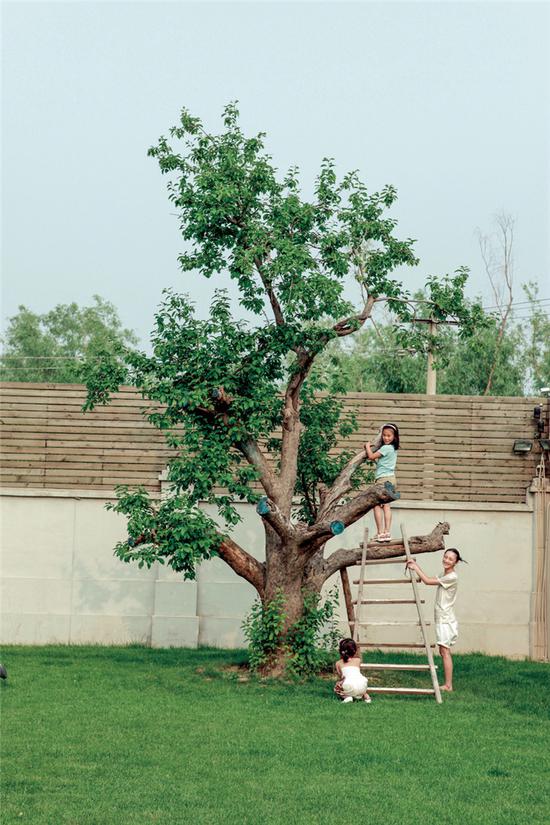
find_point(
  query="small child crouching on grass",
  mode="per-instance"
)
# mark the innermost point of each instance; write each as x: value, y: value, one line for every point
x: 351, y: 683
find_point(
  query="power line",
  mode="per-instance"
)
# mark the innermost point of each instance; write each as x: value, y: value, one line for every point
x: 521, y: 303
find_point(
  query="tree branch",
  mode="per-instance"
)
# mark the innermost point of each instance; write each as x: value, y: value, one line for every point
x: 341, y: 485
x: 431, y: 543
x: 348, y: 513
x: 349, y: 325
x: 243, y: 564
x: 291, y: 416
x: 256, y: 458
x: 279, y: 522
x: 273, y: 300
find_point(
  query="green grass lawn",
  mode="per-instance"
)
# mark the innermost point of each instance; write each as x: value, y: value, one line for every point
x: 133, y: 735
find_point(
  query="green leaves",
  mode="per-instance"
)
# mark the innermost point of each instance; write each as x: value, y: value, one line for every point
x: 66, y: 344
x: 239, y: 216
x: 175, y: 531
x: 308, y: 642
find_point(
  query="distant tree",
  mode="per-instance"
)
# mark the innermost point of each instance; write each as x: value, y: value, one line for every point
x: 497, y: 252
x: 536, y: 341
x: 216, y: 382
x: 375, y: 361
x: 488, y: 363
x: 50, y: 347
x: 372, y: 361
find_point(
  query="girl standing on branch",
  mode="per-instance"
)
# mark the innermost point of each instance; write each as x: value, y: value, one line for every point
x: 384, y: 452
x: 446, y: 625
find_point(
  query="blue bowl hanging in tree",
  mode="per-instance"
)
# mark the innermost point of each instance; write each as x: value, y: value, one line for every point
x: 262, y: 507
x: 337, y: 527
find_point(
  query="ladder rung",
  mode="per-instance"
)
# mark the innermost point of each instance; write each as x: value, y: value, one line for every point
x: 378, y: 543
x: 398, y: 560
x: 380, y: 645
x: 392, y: 624
x: 388, y: 601
x: 374, y: 666
x: 393, y: 690
x: 384, y: 581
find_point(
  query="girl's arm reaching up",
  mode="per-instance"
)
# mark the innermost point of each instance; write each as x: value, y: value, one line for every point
x: 412, y: 565
x: 370, y: 455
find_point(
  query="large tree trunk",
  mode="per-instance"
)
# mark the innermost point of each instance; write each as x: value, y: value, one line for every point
x: 293, y: 571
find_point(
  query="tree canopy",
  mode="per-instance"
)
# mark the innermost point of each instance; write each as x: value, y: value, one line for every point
x: 51, y: 346
x: 309, y: 271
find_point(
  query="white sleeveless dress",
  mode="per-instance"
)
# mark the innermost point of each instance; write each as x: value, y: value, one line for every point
x: 354, y: 684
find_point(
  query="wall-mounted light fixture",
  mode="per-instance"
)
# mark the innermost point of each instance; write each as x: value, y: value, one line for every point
x: 523, y: 445
x: 544, y: 444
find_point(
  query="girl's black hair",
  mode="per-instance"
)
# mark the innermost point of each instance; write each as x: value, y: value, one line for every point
x: 395, y: 428
x: 457, y: 554
x: 348, y: 649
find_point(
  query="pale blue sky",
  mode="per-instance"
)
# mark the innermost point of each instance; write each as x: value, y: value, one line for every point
x: 447, y: 101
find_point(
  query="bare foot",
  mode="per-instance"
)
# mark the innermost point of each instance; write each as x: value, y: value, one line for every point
x: 446, y: 688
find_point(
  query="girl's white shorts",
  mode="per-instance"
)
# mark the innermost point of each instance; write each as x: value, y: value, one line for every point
x: 446, y: 633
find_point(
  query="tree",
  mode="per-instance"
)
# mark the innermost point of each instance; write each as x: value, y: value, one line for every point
x: 376, y: 362
x: 536, y: 335
x: 51, y: 347
x: 216, y: 382
x: 498, y: 258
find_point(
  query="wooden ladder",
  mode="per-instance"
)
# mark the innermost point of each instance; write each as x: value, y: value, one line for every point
x: 356, y: 623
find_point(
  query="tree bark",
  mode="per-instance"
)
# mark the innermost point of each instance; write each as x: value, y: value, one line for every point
x: 293, y: 572
x: 431, y: 543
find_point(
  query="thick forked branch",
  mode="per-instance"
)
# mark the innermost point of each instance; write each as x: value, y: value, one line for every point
x: 291, y: 429
x: 238, y: 559
x: 279, y: 522
x: 348, y: 514
x: 349, y: 325
x: 431, y: 543
x: 291, y: 419
x: 243, y: 564
x: 341, y: 485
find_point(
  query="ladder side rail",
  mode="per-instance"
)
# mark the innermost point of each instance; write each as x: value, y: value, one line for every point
x: 360, y: 591
x: 346, y: 588
x: 429, y: 654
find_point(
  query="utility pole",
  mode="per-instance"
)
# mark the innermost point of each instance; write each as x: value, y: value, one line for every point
x: 431, y: 376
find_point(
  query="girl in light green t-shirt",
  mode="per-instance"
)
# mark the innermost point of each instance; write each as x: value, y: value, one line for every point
x: 384, y: 452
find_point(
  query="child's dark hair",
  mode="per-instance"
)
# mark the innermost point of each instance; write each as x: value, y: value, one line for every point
x: 457, y: 554
x: 395, y: 428
x: 348, y: 649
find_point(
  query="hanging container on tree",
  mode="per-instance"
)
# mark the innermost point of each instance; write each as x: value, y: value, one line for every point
x: 262, y: 507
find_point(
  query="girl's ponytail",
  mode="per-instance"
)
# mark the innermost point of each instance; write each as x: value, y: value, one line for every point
x: 348, y: 649
x: 457, y: 554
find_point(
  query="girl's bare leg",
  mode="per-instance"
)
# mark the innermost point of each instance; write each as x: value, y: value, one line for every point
x: 379, y: 519
x: 387, y: 518
x: 445, y: 654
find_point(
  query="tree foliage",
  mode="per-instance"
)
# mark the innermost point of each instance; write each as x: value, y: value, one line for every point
x: 50, y: 347
x: 517, y: 358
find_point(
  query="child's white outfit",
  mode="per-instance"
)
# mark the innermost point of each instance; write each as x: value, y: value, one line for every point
x: 353, y: 683
x: 446, y: 625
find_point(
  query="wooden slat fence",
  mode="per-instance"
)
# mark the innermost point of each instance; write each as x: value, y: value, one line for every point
x: 453, y: 448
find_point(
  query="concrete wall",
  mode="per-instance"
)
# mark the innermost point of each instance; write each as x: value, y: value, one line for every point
x: 62, y: 584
